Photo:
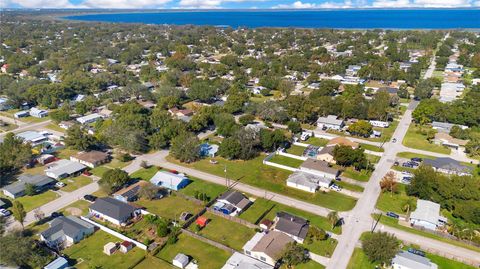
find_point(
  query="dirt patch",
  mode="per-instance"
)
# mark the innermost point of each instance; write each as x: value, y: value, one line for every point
x: 74, y: 211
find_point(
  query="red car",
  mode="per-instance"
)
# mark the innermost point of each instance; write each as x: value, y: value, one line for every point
x: 86, y: 173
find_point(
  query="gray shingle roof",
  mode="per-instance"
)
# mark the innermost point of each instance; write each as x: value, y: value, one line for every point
x: 113, y: 208
x: 69, y: 226
x: 410, y: 260
x: 36, y: 180
x: 292, y: 225
x: 449, y: 164
x: 235, y: 198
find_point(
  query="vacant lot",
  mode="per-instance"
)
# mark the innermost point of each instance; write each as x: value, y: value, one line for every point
x: 32, y: 202
x: 223, y: 231
x: 170, y: 207
x: 296, y: 150
x: 255, y: 173
x: 414, y: 139
x: 88, y: 253
x: 206, y: 255
x: 75, y: 183
x: 316, y: 141
x: 212, y: 190
x: 284, y: 160
x: 145, y: 173
x: 393, y: 202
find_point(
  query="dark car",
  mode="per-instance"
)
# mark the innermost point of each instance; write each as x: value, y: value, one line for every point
x: 56, y: 215
x: 90, y: 198
x: 396, y: 163
x: 393, y: 215
x: 416, y: 159
x: 409, y: 165
x: 416, y: 252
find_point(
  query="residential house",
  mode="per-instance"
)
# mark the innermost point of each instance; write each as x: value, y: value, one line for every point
x: 33, y: 137
x: 21, y: 114
x: 91, y: 118
x: 65, y: 231
x: 242, y: 261
x: 58, y: 263
x: 342, y: 141
x: 407, y: 260
x: 208, y: 150
x: 330, y: 122
x: 64, y: 168
x: 449, y: 166
x: 378, y: 123
x: 170, y: 180
x: 232, y: 203
x: 91, y: 159
x: 307, y: 182
x: 109, y: 248
x: 427, y: 215
x: 326, y: 154
x: 319, y: 168
x: 267, y: 247
x: 130, y: 193
x: 113, y: 210
x: 66, y: 124
x: 447, y: 140
x: 445, y: 127
x: 126, y: 246
x: 4, y: 104
x: 38, y: 113
x: 17, y: 189
x: 291, y: 225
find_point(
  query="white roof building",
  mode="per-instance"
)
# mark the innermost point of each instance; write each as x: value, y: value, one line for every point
x: 427, y: 215
x: 407, y: 260
x: 241, y: 261
x: 89, y: 118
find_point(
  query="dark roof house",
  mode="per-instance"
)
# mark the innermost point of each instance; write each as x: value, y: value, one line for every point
x: 17, y: 189
x: 235, y: 200
x: 112, y: 210
x: 292, y: 226
x: 65, y: 231
x: 449, y: 166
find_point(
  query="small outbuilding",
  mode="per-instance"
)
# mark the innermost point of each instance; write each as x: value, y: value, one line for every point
x: 202, y: 221
x: 109, y: 248
x: 181, y: 260
x: 126, y: 246
x: 58, y: 263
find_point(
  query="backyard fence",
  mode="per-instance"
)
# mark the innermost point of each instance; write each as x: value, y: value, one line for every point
x: 234, y: 219
x: 281, y: 153
x: 115, y: 233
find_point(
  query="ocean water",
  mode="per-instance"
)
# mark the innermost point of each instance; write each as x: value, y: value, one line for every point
x: 339, y: 19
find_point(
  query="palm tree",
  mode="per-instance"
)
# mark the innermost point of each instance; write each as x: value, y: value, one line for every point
x: 333, y: 218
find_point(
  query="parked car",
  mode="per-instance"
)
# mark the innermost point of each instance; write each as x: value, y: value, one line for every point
x: 56, y: 215
x: 394, y: 140
x: 396, y: 163
x: 90, y: 197
x: 393, y: 215
x: 416, y: 252
x: 5, y: 213
x: 406, y: 173
x: 59, y: 184
x: 87, y: 173
x: 338, y: 179
x: 305, y: 136
x: 414, y: 163
x: 416, y: 159
x: 407, y: 164
x: 335, y: 187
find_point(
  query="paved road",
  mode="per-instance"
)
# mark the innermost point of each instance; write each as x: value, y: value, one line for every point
x: 28, y: 126
x: 11, y: 120
x: 158, y: 158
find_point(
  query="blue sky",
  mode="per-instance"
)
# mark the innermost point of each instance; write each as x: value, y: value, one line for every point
x: 237, y: 4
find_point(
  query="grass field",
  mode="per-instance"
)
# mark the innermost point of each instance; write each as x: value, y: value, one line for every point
x: 88, y: 253
x: 170, y: 207
x: 145, y: 173
x: 80, y: 204
x: 360, y: 261
x: 373, y: 158
x: 75, y: 183
x: 225, y: 232
x: 211, y: 189
x: 393, y: 202
x: 362, y: 175
x: 206, y: 255
x: 99, y: 170
x: 371, y: 147
x: 323, y: 248
x: 266, y: 209
x: 66, y: 153
x: 154, y: 262
x: 32, y: 202
x: 55, y: 127
x: 416, y: 140
x: 316, y: 141
x: 444, y: 263
x: 284, y: 160
x: 348, y: 186
x: 296, y: 150
x: 309, y: 265
x: 255, y: 173
x: 409, y: 155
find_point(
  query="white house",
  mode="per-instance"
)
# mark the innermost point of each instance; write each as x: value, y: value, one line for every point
x: 64, y: 168
x: 241, y: 261
x: 232, y: 203
x: 427, y: 215
x: 407, y: 260
x: 113, y: 210
x: 319, y: 168
x: 330, y: 122
x: 38, y: 113
x: 307, y: 181
x: 65, y: 231
x: 268, y: 247
x: 170, y: 180
x: 89, y: 118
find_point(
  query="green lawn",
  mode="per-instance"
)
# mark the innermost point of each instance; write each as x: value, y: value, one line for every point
x: 99, y: 170
x: 170, y: 207
x: 263, y: 208
x: 296, y: 150
x: 154, y: 262
x: 75, y: 183
x: 81, y: 205
x: 32, y: 202
x: 409, y: 155
x: 197, y: 185
x: 362, y: 175
x: 416, y: 140
x: 393, y: 202
x: 323, y: 247
x: 55, y: 127
x: 316, y: 141
x: 206, y: 255
x: 371, y: 147
x: 115, y: 163
x: 145, y: 173
x: 394, y: 223
x: 309, y: 265
x: 373, y: 158
x: 284, y: 160
x: 360, y: 261
x: 225, y: 232
x: 349, y: 186
x: 255, y: 173
x: 89, y: 253
x: 444, y: 263
x: 66, y: 153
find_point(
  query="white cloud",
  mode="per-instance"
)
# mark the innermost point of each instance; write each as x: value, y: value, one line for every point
x: 391, y: 3
x: 442, y: 3
x: 43, y: 3
x: 476, y: 4
x: 210, y: 3
x: 421, y: 3
x: 301, y: 5
x: 124, y: 3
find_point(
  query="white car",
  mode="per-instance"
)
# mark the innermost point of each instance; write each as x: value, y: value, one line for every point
x: 5, y: 213
x: 335, y: 187
x: 305, y: 136
x: 60, y: 184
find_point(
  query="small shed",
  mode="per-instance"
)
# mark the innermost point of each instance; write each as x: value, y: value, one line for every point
x: 266, y: 224
x: 202, y: 221
x: 58, y: 263
x: 181, y: 260
x: 109, y: 248
x: 126, y: 246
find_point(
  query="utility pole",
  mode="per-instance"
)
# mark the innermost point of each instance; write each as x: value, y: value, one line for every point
x: 226, y: 179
